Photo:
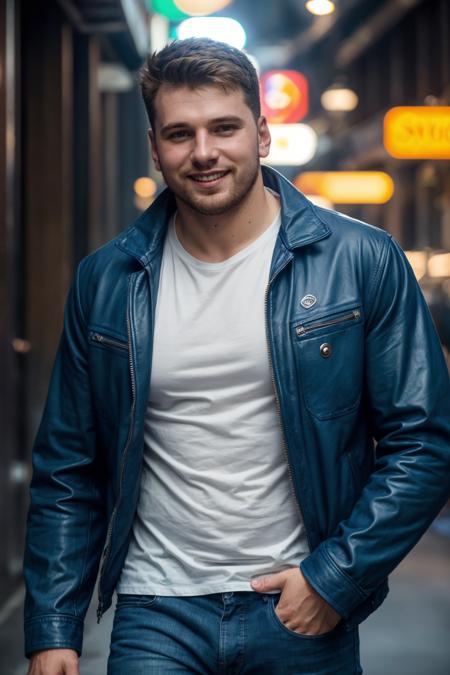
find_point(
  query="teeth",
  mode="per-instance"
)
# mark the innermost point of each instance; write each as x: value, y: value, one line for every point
x: 209, y: 178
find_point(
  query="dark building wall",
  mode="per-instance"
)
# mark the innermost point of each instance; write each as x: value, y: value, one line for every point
x: 58, y: 142
x: 13, y: 475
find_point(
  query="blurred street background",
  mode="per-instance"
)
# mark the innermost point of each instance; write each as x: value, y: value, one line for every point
x: 357, y: 95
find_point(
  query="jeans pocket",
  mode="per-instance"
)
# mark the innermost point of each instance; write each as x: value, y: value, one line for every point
x: 135, y: 600
x: 301, y: 636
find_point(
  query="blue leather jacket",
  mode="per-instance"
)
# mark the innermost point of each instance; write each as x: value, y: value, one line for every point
x: 361, y: 387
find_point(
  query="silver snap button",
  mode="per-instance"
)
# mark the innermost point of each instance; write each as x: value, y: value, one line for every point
x: 325, y: 350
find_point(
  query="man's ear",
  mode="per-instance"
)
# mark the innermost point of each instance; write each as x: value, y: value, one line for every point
x: 264, y: 138
x: 154, y: 151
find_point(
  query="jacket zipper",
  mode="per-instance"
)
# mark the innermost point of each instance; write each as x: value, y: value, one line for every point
x: 278, y: 409
x: 302, y: 330
x: 102, y: 339
x: 107, y: 547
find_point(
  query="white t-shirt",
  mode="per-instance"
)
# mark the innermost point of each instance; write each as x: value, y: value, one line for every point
x: 216, y: 507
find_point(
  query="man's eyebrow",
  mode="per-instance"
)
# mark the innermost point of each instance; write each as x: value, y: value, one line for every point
x: 226, y: 118
x: 216, y: 120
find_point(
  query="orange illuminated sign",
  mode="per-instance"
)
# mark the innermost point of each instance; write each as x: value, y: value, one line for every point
x: 421, y: 132
x: 347, y: 187
x: 284, y: 96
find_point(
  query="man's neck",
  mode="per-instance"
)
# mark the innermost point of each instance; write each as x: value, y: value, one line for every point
x: 217, y: 238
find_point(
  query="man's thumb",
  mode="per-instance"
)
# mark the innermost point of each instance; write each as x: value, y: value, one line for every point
x: 270, y: 582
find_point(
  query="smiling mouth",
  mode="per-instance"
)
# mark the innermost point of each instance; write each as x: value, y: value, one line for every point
x: 206, y: 178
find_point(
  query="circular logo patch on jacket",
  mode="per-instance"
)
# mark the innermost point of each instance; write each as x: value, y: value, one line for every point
x: 308, y: 301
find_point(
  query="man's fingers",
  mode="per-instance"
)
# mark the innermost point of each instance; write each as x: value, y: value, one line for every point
x: 54, y: 662
x: 72, y: 670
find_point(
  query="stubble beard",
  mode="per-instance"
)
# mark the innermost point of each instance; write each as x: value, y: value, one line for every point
x: 209, y: 205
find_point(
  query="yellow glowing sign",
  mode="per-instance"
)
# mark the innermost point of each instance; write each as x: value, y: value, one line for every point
x: 421, y: 132
x: 348, y: 187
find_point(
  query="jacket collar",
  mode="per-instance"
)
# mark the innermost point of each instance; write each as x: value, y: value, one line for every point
x: 300, y: 224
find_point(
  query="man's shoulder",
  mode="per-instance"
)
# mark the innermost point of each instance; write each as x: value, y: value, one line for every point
x: 102, y: 276
x: 347, y: 228
x: 360, y: 244
x: 109, y: 258
x: 132, y: 247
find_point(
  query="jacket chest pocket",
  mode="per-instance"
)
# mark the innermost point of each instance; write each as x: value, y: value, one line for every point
x: 108, y: 342
x: 330, y: 355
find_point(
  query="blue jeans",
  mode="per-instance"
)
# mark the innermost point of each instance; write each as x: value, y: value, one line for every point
x: 235, y: 633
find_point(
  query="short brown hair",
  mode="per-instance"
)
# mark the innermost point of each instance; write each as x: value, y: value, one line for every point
x: 197, y: 62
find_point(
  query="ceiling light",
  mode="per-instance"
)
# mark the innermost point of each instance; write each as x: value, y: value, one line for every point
x: 320, y: 7
x: 339, y: 98
x: 223, y: 29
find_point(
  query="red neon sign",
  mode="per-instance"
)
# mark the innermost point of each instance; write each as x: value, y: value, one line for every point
x: 284, y: 96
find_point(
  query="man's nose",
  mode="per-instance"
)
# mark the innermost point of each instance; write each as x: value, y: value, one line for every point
x: 204, y: 150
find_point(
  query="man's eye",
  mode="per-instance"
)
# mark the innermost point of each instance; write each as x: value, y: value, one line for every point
x: 178, y: 135
x: 225, y: 128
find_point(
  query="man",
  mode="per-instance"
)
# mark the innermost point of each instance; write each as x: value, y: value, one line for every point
x: 248, y: 387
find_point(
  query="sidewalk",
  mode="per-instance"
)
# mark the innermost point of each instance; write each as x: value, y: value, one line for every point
x: 408, y: 635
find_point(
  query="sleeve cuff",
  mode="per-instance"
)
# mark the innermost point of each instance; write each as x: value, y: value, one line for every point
x: 327, y: 579
x: 53, y: 632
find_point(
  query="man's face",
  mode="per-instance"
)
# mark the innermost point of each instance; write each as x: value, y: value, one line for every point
x: 207, y: 144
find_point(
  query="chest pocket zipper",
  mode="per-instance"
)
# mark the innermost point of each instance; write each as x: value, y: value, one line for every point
x: 107, y: 341
x: 304, y: 329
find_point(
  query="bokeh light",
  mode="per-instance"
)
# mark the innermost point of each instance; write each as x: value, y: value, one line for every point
x: 348, y: 187
x: 201, y: 7
x: 439, y: 265
x: 292, y: 144
x: 320, y: 7
x: 418, y: 262
x: 145, y: 187
x: 223, y: 29
x: 167, y: 8
x: 339, y: 99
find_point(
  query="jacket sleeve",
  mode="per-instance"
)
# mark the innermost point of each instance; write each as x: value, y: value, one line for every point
x: 66, y: 521
x: 408, y: 404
